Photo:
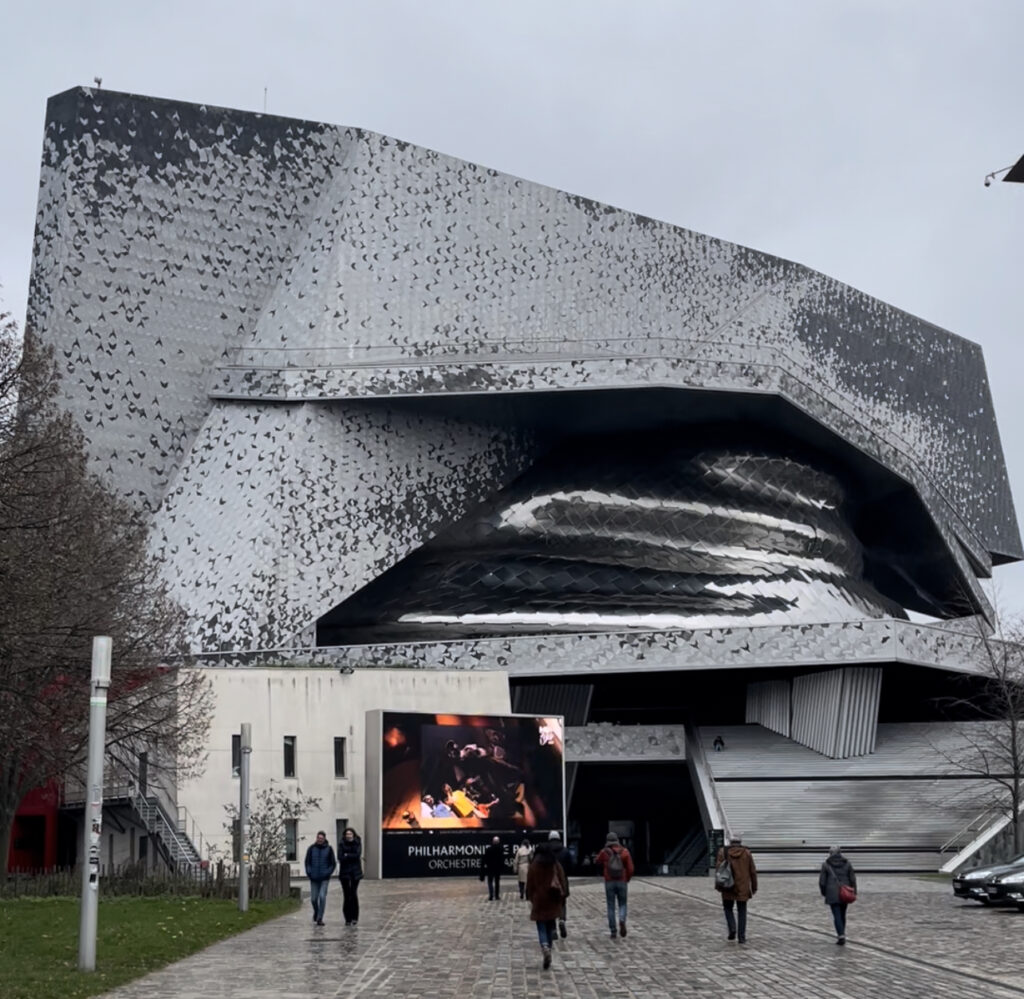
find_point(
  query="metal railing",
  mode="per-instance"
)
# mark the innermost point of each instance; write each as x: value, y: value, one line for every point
x: 182, y: 853
x: 964, y: 836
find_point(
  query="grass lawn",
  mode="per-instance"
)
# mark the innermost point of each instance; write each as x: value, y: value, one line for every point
x: 39, y: 939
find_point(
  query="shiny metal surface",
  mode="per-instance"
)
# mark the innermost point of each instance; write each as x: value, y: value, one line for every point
x: 249, y: 309
x: 613, y: 535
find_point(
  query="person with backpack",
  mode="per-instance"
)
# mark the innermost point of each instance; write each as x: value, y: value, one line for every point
x: 736, y: 879
x: 838, y: 883
x: 617, y: 865
x: 546, y: 888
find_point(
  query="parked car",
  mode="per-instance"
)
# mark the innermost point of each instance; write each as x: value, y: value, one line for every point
x: 1017, y: 897
x: 971, y: 884
x: 1002, y: 888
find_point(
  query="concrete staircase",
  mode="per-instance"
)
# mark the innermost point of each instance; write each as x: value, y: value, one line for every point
x: 892, y: 810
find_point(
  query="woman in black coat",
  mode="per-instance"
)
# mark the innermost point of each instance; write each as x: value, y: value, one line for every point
x: 350, y: 872
x: 836, y: 871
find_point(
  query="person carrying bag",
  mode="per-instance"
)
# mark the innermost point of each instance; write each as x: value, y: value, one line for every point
x: 837, y: 882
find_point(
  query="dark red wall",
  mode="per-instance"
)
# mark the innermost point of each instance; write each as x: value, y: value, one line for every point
x: 34, y: 835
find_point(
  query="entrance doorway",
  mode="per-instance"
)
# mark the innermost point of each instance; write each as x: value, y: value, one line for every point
x: 655, y: 801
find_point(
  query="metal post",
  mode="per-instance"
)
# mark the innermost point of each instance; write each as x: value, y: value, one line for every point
x: 94, y: 804
x: 243, y: 819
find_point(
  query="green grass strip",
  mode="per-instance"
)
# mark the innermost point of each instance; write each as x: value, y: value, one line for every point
x: 39, y: 940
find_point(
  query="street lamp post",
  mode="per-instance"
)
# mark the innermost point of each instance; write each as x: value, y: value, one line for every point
x: 93, y: 830
x: 243, y: 818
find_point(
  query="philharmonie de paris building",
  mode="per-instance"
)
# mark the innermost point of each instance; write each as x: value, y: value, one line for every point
x: 414, y: 435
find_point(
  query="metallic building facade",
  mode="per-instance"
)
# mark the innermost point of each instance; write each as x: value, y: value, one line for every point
x: 388, y: 406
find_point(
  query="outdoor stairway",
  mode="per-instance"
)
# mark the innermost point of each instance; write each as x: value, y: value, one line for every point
x: 891, y: 810
x: 182, y: 855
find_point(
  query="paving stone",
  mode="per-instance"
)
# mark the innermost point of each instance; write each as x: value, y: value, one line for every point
x: 909, y: 938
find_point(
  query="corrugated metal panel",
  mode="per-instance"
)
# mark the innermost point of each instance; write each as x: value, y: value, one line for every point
x: 572, y: 700
x: 835, y: 711
x: 768, y: 704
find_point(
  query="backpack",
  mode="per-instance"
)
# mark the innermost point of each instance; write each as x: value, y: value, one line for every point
x: 724, y: 878
x: 613, y: 866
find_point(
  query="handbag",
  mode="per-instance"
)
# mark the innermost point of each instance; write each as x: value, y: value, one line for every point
x: 846, y: 895
x: 724, y: 878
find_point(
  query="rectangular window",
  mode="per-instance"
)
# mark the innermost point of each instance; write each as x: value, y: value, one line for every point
x: 340, y: 825
x: 236, y: 755
x: 291, y: 839
x: 236, y: 841
x: 289, y: 756
x: 339, y: 757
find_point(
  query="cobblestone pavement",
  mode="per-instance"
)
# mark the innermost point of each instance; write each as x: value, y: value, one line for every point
x: 909, y: 938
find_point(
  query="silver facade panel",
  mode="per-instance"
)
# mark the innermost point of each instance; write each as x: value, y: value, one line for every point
x: 880, y: 641
x: 214, y: 281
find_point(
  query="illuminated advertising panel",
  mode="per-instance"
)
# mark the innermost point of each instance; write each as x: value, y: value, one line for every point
x: 449, y: 783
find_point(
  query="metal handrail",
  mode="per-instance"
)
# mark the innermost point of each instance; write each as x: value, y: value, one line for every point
x: 978, y: 822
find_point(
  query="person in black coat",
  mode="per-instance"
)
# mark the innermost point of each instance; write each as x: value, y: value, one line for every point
x: 563, y: 855
x: 835, y: 872
x: 492, y: 863
x: 350, y: 873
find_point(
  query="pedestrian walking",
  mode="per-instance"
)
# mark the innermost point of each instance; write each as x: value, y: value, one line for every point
x: 521, y: 862
x: 617, y: 867
x: 320, y: 865
x: 492, y: 863
x: 743, y: 888
x: 350, y: 873
x: 837, y: 882
x: 564, y: 856
x: 546, y: 887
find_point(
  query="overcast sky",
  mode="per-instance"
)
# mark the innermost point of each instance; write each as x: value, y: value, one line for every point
x: 852, y: 136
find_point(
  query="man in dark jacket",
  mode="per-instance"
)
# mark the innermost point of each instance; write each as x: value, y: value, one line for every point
x: 836, y: 872
x: 319, y: 868
x: 492, y: 863
x: 744, y: 886
x: 563, y: 855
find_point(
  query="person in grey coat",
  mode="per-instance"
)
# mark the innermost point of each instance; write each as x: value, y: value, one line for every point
x: 836, y: 871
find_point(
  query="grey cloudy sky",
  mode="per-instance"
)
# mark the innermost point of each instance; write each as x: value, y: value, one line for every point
x: 850, y: 135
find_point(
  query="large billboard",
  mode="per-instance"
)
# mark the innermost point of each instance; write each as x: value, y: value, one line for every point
x: 449, y: 783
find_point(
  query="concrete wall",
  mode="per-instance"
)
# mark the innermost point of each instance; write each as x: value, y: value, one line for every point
x: 317, y: 706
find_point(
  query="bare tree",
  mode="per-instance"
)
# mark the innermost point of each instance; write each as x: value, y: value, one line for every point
x: 991, y: 745
x: 271, y: 809
x: 74, y: 564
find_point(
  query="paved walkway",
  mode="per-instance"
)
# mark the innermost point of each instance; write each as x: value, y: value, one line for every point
x: 908, y: 939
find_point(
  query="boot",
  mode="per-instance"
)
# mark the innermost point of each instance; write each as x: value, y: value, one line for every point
x: 547, y: 957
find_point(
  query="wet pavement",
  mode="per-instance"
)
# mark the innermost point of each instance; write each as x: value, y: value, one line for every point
x: 909, y: 938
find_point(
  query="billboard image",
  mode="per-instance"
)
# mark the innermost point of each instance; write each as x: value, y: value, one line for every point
x: 451, y: 782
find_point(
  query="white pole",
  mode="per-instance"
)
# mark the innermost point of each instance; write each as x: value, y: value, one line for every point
x: 94, y: 804
x: 243, y: 819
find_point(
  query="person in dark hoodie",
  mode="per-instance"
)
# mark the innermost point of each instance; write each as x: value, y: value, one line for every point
x: 835, y: 872
x: 350, y: 873
x: 744, y: 886
x: 319, y: 868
